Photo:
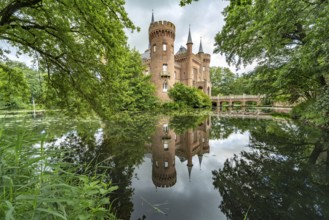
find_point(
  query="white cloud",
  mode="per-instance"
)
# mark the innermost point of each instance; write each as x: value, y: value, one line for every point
x: 204, y: 17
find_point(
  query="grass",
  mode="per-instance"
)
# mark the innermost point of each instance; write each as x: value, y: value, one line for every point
x: 34, y: 186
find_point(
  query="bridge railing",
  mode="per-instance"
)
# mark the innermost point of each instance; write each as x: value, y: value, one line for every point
x: 238, y: 97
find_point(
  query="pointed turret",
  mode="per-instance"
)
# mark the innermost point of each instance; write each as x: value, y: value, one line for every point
x: 189, y: 69
x: 152, y: 19
x: 201, y: 48
x: 189, y: 38
x: 189, y: 172
x: 200, y: 159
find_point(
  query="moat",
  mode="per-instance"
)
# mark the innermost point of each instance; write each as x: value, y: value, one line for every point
x: 195, y: 167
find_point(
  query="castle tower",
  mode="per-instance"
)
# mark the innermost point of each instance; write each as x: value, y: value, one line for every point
x: 163, y: 155
x: 189, y: 45
x: 205, y: 69
x: 161, y: 39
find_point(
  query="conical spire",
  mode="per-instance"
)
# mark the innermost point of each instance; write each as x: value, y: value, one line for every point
x: 200, y: 48
x: 189, y: 39
x: 189, y: 172
x: 152, y: 19
x: 200, y: 159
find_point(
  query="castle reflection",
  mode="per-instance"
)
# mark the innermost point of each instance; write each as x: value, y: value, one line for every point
x: 166, y: 144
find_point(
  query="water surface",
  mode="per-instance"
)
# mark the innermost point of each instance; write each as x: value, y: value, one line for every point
x: 195, y: 167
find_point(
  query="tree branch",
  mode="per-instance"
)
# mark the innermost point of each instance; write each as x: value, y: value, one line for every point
x: 13, y: 7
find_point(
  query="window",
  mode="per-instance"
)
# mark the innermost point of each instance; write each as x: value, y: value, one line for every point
x: 164, y: 67
x: 164, y: 47
x: 154, y: 48
x: 156, y: 163
x: 204, y: 68
x: 165, y: 87
x: 165, y: 128
x: 166, y: 145
x: 166, y: 164
x: 175, y: 75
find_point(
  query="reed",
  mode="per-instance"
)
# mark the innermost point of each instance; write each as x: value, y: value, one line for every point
x: 34, y: 186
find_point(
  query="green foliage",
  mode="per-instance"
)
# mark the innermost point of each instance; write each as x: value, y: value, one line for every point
x: 283, y: 156
x: 137, y: 88
x: 33, y: 187
x: 186, y: 2
x: 121, y: 147
x: 30, y: 85
x: 316, y: 110
x: 182, y: 124
x: 82, y: 47
x: 13, y: 88
x: 225, y: 82
x: 288, y: 40
x: 189, y: 96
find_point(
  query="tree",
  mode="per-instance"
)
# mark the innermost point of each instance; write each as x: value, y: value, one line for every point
x: 288, y: 40
x: 35, y: 81
x: 225, y: 82
x: 186, y: 2
x: 80, y: 44
x: 222, y: 79
x: 13, y: 88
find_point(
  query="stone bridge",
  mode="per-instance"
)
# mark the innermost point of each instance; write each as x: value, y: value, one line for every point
x: 231, y: 99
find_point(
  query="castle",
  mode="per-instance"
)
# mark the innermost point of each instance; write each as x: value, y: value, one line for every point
x: 166, y: 145
x: 167, y: 68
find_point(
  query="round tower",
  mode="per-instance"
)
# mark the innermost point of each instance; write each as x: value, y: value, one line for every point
x: 161, y: 38
x: 163, y: 155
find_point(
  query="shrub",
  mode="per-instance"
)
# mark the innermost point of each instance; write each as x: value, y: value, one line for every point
x: 189, y: 96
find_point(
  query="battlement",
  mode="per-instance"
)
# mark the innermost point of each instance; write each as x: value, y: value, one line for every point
x: 164, y: 180
x: 162, y: 24
x: 206, y: 58
x: 161, y: 29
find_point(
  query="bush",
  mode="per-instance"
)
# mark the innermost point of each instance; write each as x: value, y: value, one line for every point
x: 189, y: 96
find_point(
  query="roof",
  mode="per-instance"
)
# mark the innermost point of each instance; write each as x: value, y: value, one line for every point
x: 146, y: 55
x: 181, y: 50
x: 189, y: 38
x: 200, y: 48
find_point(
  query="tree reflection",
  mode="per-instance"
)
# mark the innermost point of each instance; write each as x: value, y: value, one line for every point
x: 285, y: 176
x: 119, y: 147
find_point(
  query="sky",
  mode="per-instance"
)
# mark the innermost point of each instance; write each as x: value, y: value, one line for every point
x: 204, y: 16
